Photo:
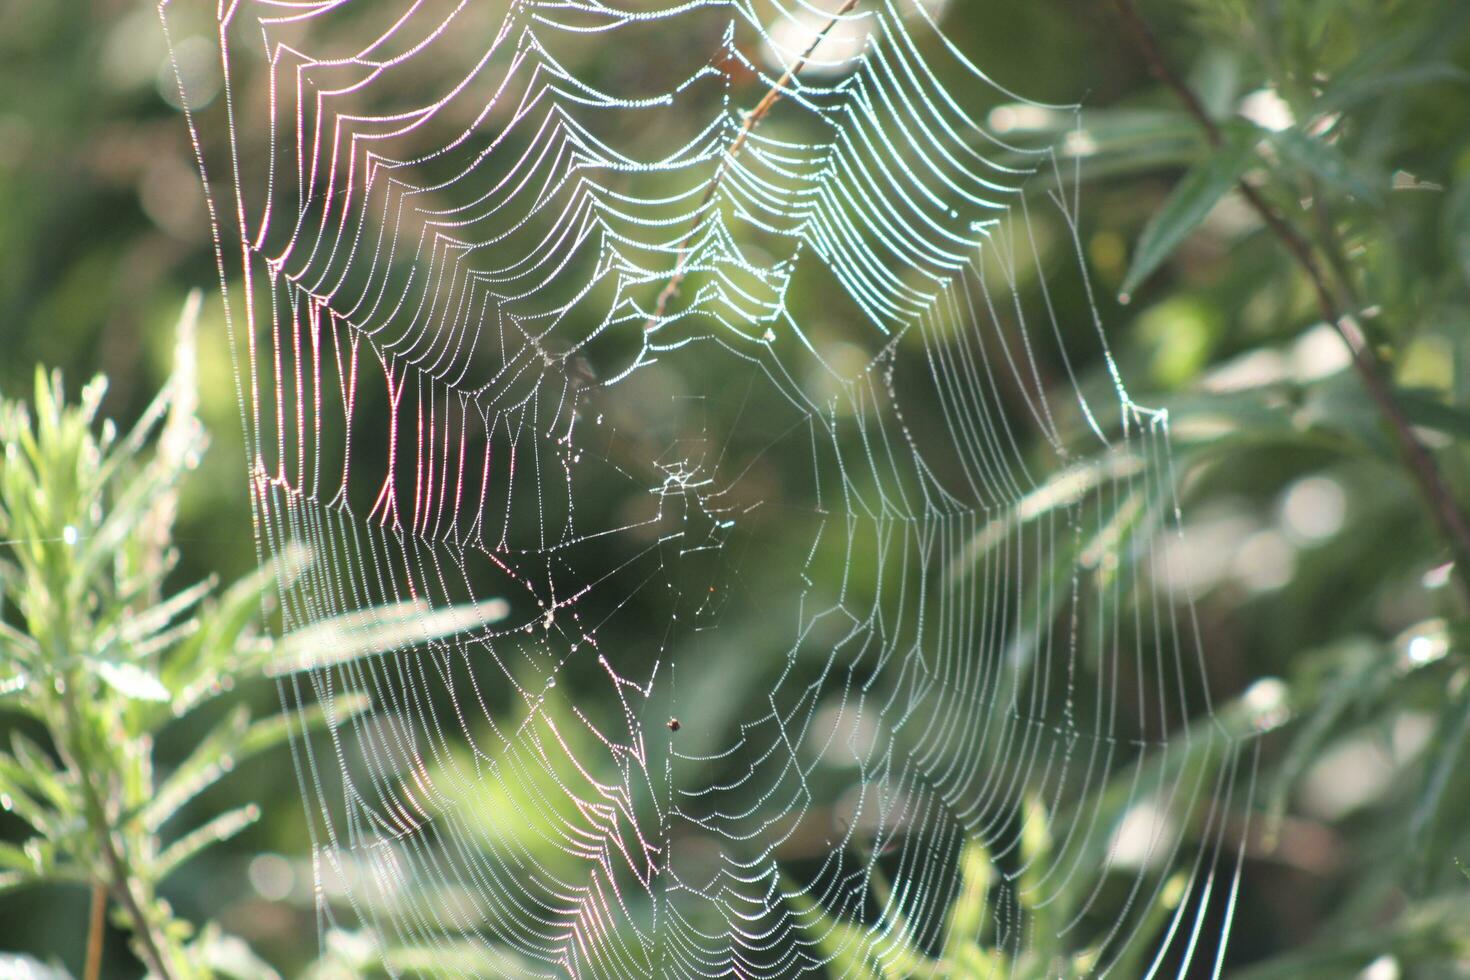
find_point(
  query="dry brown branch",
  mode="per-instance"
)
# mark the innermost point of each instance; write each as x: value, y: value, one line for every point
x: 752, y: 119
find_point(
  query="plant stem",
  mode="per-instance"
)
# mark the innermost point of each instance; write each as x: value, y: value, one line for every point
x: 753, y: 119
x: 121, y: 884
x: 122, y: 889
x: 1444, y: 509
x: 95, y: 926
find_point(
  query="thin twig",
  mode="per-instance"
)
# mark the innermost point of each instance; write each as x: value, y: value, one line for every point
x: 121, y: 884
x: 1443, y: 507
x: 122, y: 890
x: 752, y: 119
x: 95, y: 927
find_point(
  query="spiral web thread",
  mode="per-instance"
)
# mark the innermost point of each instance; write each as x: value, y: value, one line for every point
x: 578, y: 400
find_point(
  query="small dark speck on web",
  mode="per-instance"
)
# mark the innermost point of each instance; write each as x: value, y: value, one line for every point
x: 674, y: 724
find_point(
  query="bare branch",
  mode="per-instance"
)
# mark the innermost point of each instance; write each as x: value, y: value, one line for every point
x: 752, y: 120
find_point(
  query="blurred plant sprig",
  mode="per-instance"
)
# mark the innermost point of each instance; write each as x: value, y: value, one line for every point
x: 97, y: 656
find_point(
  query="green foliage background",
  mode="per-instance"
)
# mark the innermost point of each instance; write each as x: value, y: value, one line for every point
x: 1363, y: 795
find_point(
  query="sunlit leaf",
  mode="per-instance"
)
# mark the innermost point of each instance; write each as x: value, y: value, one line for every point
x: 232, y: 741
x: 967, y: 911
x: 130, y: 680
x: 456, y: 959
x: 16, y: 966
x: 847, y: 946
x: 219, y: 829
x: 230, y: 956
x: 14, y: 684
x: 342, y: 639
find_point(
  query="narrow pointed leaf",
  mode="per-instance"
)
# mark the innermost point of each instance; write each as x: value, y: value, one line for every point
x: 1323, y: 161
x: 203, y: 767
x: 130, y: 680
x: 1424, y: 409
x: 342, y: 639
x: 221, y: 828
x: 1189, y: 202
x: 1445, y: 752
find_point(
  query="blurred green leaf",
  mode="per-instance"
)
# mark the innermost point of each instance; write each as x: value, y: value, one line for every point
x: 1348, y: 677
x: 966, y: 914
x: 1427, y: 932
x: 130, y: 680
x: 224, y: 647
x: 15, y: 966
x: 40, y: 771
x: 1445, y: 750
x: 15, y: 858
x: 456, y: 958
x: 232, y: 741
x: 1425, y: 409
x: 220, y: 828
x: 1324, y: 161
x: 1361, y: 83
x: 267, y: 733
x: 1113, y: 142
x: 1190, y: 201
x: 230, y: 956
x: 210, y: 760
x: 845, y: 946
x: 349, y: 636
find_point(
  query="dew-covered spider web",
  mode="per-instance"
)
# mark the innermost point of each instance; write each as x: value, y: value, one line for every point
x: 714, y: 537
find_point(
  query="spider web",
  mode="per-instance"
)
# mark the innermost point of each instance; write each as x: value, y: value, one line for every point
x: 711, y: 545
